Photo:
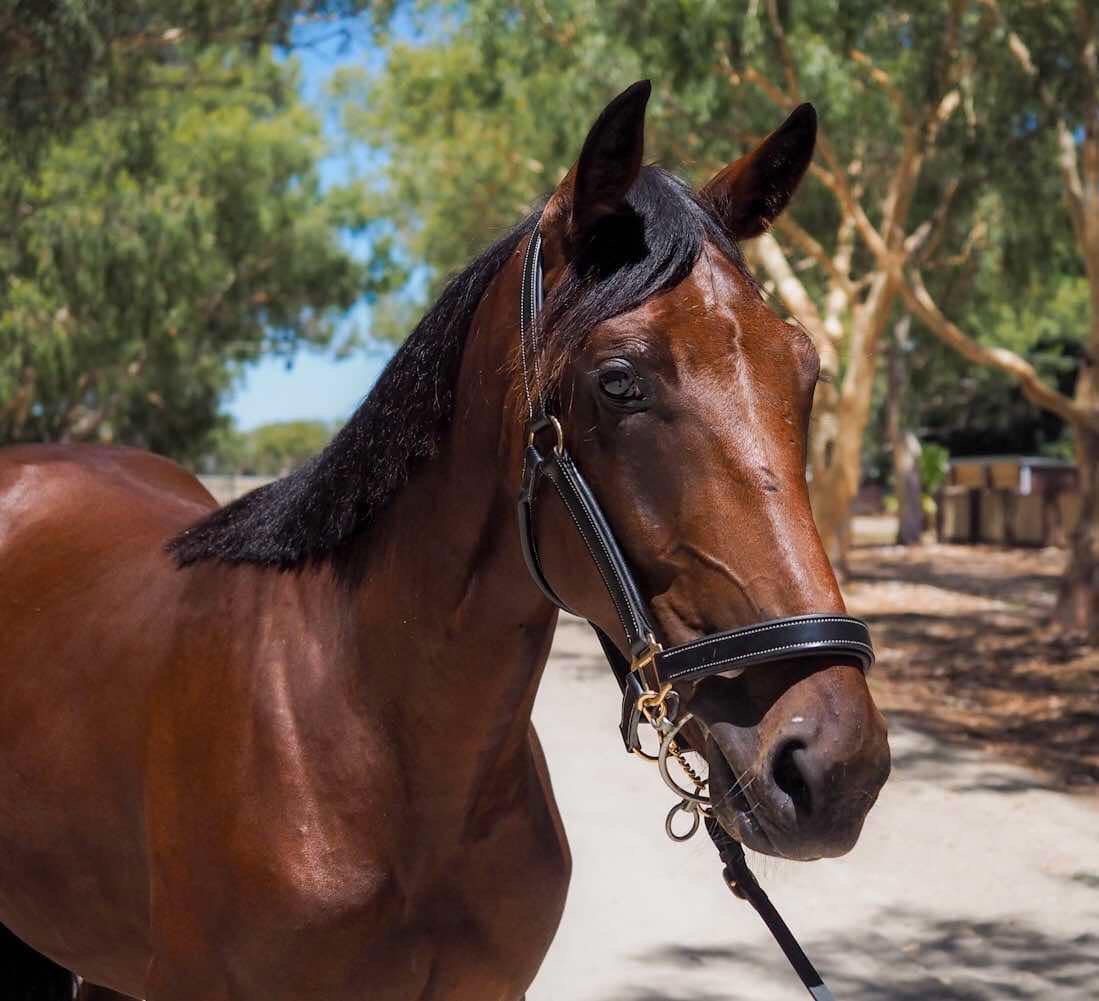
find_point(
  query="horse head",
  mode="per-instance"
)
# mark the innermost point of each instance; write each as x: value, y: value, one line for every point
x: 686, y: 401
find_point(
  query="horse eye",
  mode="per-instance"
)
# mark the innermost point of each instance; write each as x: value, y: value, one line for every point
x: 619, y: 381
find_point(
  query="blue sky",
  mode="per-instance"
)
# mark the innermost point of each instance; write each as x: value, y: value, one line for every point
x: 317, y: 385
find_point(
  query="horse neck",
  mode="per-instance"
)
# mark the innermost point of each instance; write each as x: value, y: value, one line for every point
x: 449, y: 615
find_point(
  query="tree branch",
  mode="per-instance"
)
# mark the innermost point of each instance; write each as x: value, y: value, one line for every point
x: 788, y: 286
x: 787, y: 225
x: 790, y: 289
x: 789, y: 65
x: 924, y: 308
x: 884, y: 81
x: 776, y: 95
x: 1066, y: 143
x: 925, y: 238
x: 838, y: 300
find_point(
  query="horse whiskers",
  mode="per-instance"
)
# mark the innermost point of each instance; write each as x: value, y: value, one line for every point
x: 738, y: 785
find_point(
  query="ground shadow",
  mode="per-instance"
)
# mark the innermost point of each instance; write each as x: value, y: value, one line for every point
x: 939, y: 959
x: 1004, y: 678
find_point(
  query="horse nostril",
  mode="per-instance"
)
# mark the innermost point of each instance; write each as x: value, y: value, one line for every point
x: 790, y: 778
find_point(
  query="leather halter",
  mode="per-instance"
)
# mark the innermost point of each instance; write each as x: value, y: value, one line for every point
x: 649, y: 665
x: 650, y: 668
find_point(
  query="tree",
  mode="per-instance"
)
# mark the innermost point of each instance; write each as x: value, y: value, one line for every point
x: 978, y: 410
x: 270, y: 449
x: 476, y: 124
x: 66, y: 61
x: 1054, y: 49
x: 935, y: 117
x: 1035, y: 125
x: 903, y: 443
x: 152, y: 251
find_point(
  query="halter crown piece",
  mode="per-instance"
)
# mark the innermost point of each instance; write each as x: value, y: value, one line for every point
x: 647, y: 675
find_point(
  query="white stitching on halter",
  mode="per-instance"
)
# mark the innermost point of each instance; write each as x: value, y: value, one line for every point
x: 530, y: 295
x: 746, y: 631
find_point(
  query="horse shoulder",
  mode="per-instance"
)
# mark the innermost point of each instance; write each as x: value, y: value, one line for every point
x: 286, y: 784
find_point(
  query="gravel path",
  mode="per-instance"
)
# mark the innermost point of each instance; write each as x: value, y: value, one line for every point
x: 973, y: 880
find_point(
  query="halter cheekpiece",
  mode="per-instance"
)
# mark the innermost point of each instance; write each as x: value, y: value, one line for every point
x: 647, y: 675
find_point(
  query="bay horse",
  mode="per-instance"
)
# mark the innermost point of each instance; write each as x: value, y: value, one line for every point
x: 283, y: 749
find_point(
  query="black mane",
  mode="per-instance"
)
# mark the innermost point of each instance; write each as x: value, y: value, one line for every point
x: 315, y: 512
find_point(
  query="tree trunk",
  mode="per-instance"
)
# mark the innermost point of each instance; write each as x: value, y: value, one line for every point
x: 1078, y: 597
x: 1078, y: 600
x: 837, y: 459
x: 826, y: 495
x: 903, y: 443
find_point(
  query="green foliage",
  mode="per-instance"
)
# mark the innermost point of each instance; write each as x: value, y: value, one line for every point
x: 934, y: 465
x: 269, y: 450
x: 978, y: 411
x: 483, y: 110
x: 64, y: 61
x: 155, y: 249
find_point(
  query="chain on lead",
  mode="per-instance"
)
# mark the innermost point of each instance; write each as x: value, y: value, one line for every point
x: 654, y: 707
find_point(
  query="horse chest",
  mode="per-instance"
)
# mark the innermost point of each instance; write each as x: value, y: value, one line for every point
x: 487, y: 918
x: 502, y: 911
x: 428, y: 911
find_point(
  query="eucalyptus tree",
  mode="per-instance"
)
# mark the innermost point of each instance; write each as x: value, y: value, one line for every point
x: 943, y: 127
x: 1046, y: 69
x: 476, y: 119
x: 162, y: 216
x: 152, y: 251
x: 65, y: 61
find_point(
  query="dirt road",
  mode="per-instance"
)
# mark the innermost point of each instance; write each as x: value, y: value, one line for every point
x: 973, y: 880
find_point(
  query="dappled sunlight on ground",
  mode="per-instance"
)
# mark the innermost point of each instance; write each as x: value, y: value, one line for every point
x: 937, y: 958
x: 967, y: 651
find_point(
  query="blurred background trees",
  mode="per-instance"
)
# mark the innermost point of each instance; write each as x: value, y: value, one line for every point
x: 268, y: 450
x: 165, y: 222
x: 70, y: 60
x: 163, y: 218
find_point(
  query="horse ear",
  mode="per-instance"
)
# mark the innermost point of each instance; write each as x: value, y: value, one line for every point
x: 610, y: 160
x: 749, y: 194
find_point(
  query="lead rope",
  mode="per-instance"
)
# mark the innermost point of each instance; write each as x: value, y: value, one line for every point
x: 743, y: 883
x: 654, y: 705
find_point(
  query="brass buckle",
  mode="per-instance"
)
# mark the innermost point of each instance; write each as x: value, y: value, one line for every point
x: 653, y: 702
x: 645, y: 659
x: 654, y: 705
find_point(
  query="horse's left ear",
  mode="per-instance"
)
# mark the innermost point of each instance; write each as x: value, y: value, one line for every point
x: 749, y: 194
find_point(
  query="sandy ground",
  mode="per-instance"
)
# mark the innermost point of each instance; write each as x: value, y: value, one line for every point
x: 975, y: 878
x: 968, y: 648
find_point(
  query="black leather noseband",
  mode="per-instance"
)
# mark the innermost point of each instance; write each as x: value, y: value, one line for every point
x: 646, y: 667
